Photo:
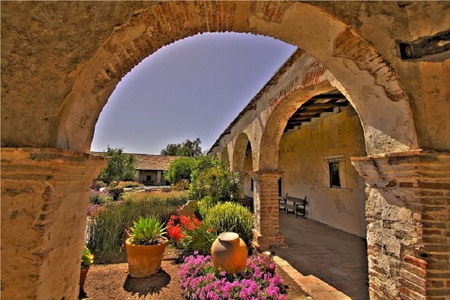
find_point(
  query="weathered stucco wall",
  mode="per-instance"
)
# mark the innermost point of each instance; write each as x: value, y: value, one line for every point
x: 302, y: 159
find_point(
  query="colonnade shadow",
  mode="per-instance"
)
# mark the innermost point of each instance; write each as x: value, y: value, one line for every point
x: 336, y: 257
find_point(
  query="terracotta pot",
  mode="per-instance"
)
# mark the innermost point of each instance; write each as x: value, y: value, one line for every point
x: 144, y: 260
x: 83, y: 274
x: 229, y: 253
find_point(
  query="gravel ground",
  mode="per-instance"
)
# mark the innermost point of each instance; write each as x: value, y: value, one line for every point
x: 111, y: 281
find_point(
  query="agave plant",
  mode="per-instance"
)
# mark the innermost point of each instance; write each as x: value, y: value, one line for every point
x: 146, y: 231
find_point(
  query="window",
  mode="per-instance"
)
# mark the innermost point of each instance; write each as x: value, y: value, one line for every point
x: 335, y: 180
x: 335, y: 171
x: 149, y: 177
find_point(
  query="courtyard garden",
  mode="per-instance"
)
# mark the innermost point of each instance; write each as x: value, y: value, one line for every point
x: 192, y: 266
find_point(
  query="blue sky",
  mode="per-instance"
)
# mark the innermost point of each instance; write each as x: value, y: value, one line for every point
x: 192, y: 88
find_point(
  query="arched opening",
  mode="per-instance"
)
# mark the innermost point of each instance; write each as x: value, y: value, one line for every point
x: 87, y: 81
x: 243, y: 163
x: 314, y: 157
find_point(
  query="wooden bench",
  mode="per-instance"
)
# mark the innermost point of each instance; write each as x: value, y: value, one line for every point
x: 296, y: 206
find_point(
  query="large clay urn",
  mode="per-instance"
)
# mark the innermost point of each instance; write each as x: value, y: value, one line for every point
x: 229, y: 253
x: 145, y: 260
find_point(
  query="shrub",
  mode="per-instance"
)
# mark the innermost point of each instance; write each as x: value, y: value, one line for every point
x: 100, y: 198
x: 231, y: 216
x: 189, y: 235
x: 215, y: 180
x: 199, y: 280
x: 130, y: 184
x: 179, y: 169
x: 115, y: 191
x: 181, y: 185
x: 121, y: 166
x: 106, y: 228
x: 204, y: 205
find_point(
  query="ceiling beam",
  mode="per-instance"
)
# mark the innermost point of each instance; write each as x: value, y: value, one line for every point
x: 329, y: 96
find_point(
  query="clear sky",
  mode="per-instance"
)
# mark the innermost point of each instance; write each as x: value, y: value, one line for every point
x: 192, y: 88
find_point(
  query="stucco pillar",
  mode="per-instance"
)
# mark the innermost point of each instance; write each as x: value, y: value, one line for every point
x: 266, y: 209
x: 242, y: 175
x: 44, y: 202
x: 408, y: 231
x: 158, y: 177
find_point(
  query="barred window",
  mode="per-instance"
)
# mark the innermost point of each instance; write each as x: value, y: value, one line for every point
x: 335, y: 180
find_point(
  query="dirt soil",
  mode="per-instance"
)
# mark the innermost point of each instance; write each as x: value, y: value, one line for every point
x: 111, y: 281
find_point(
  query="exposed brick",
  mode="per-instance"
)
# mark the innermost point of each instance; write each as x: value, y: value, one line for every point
x: 434, y: 185
x: 411, y: 286
x: 415, y: 261
x: 405, y: 292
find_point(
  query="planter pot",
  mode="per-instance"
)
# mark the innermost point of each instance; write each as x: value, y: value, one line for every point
x: 229, y: 253
x: 144, y: 260
x: 83, y: 274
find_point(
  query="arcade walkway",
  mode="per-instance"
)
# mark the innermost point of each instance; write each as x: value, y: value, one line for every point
x: 336, y: 257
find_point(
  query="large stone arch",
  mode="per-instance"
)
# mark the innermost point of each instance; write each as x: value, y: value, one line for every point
x: 355, y: 63
x: 62, y: 60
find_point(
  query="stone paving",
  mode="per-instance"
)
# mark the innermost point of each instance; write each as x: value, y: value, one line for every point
x: 331, y: 263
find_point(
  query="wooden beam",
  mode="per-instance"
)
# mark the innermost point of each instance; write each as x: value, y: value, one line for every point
x: 324, y: 105
x: 329, y: 96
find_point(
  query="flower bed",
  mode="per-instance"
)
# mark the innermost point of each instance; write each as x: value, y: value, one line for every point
x: 200, y: 280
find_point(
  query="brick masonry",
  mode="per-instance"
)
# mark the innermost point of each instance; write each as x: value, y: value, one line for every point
x: 408, y: 216
x: 267, y: 225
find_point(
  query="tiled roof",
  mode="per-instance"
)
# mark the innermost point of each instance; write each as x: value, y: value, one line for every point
x: 153, y: 162
x: 149, y: 161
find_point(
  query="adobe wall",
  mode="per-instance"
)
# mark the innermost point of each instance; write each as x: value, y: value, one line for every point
x: 302, y: 159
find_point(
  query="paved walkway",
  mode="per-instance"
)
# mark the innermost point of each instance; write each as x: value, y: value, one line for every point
x: 334, y: 256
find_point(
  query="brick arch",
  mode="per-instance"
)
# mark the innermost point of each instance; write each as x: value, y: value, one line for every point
x: 355, y: 63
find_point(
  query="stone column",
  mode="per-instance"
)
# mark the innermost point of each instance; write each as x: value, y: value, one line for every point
x: 44, y: 202
x: 408, y: 231
x: 266, y: 209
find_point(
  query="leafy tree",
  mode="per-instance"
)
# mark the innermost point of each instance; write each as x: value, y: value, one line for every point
x: 211, y: 178
x: 121, y: 166
x: 180, y: 169
x: 186, y: 148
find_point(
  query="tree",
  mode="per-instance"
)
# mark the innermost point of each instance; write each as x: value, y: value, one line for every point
x: 179, y: 169
x: 211, y: 178
x: 121, y: 166
x: 186, y: 148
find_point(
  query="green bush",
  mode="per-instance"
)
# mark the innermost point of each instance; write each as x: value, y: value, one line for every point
x: 130, y: 184
x: 121, y: 166
x: 99, y: 198
x: 106, y: 231
x: 209, y: 177
x: 115, y: 192
x: 179, y: 169
x: 231, y: 216
x: 199, y: 239
x: 204, y: 205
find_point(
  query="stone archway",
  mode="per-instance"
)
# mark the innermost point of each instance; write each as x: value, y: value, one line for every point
x: 59, y: 67
x: 243, y: 162
x: 354, y: 62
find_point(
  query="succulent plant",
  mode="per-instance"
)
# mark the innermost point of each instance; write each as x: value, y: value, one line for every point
x: 87, y: 258
x: 147, y: 230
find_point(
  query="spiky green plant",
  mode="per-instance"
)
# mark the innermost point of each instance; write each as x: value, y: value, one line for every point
x: 147, y: 230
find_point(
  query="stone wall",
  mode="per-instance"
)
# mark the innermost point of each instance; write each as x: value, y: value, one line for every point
x: 408, y: 219
x: 45, y: 194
